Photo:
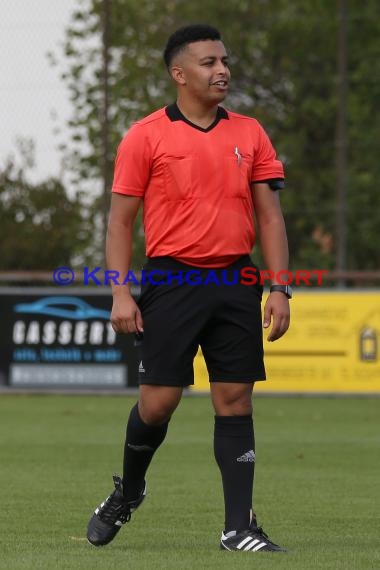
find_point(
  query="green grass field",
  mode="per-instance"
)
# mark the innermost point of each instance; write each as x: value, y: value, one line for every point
x: 317, y: 485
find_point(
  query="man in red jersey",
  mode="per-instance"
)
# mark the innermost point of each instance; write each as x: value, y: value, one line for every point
x: 202, y: 173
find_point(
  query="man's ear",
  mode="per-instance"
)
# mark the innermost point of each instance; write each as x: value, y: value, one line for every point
x: 178, y: 74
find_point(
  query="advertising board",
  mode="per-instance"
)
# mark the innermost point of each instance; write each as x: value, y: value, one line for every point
x: 54, y: 339
x: 332, y: 346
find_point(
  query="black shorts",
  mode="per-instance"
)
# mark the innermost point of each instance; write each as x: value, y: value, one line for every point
x: 220, y: 315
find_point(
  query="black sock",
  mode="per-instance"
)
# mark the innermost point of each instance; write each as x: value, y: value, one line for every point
x: 141, y: 443
x: 234, y: 448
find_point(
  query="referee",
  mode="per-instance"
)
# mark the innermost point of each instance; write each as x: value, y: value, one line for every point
x: 202, y: 173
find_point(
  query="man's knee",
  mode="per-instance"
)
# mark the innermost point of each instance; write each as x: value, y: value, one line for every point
x: 155, y: 415
x: 232, y: 399
x: 157, y: 403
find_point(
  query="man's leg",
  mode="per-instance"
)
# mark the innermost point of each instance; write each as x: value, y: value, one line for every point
x: 234, y: 447
x: 146, y: 430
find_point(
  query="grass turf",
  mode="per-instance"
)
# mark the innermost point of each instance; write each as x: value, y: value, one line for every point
x: 317, y: 487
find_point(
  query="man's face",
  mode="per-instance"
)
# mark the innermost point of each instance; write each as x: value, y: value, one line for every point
x: 202, y: 68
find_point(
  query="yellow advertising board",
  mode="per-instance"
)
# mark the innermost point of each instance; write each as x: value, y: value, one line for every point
x: 332, y: 346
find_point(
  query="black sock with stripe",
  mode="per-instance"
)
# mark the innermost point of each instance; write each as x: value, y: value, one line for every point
x: 141, y: 443
x: 234, y: 448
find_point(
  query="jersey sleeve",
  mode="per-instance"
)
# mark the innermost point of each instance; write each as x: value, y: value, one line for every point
x: 132, y: 163
x: 265, y: 164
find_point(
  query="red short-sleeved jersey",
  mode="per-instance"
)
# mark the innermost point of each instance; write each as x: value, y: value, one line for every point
x: 196, y: 183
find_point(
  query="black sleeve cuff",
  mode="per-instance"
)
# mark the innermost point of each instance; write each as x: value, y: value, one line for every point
x: 274, y: 183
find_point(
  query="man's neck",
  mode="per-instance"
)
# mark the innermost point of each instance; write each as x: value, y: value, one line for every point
x: 197, y: 113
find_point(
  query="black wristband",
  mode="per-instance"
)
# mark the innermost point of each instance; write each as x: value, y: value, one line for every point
x: 286, y: 289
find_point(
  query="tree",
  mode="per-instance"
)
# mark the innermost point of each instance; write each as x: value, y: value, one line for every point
x: 364, y: 128
x: 41, y: 228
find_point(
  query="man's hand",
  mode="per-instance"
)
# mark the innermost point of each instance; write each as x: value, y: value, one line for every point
x: 277, y: 306
x: 126, y: 316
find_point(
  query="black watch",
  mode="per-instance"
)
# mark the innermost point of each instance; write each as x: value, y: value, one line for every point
x: 286, y: 289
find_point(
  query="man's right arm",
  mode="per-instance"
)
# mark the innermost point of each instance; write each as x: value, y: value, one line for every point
x: 125, y: 315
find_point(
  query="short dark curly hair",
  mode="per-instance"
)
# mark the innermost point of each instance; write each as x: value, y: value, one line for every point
x: 187, y: 35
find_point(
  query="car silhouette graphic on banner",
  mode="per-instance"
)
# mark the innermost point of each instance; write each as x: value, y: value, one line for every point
x: 63, y: 307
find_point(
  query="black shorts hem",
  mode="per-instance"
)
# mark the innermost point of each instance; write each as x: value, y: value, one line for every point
x: 166, y: 382
x: 235, y: 380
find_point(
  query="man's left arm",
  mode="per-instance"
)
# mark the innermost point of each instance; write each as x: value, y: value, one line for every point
x: 274, y: 247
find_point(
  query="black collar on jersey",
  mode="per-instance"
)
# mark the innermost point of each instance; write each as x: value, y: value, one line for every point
x: 175, y: 114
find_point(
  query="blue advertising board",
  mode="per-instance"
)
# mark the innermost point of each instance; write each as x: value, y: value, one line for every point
x: 55, y: 340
